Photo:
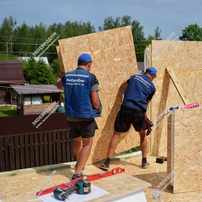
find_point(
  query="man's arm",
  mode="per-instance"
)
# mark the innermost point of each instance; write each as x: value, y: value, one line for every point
x: 59, y: 82
x: 95, y: 100
x: 150, y: 96
x: 94, y: 93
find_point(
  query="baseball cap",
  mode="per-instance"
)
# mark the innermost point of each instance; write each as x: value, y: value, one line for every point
x: 85, y: 58
x: 152, y: 71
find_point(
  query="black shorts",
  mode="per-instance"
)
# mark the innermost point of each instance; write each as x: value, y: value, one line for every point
x: 126, y: 117
x: 84, y: 129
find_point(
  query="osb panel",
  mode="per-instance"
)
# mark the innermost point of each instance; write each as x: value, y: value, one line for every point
x: 168, y: 97
x: 177, y: 56
x: 60, y: 59
x: 191, y: 82
x: 114, y: 61
x: 188, y: 151
x: 126, y: 185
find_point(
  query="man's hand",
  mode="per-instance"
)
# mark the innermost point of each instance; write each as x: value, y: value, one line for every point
x: 148, y: 125
x: 59, y: 84
x: 61, y: 74
x: 59, y: 81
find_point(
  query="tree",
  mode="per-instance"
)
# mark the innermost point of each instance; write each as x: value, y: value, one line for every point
x: 137, y: 28
x: 38, y: 72
x: 157, y: 33
x: 67, y: 30
x: 23, y: 39
x: 192, y: 32
x: 6, y: 33
x: 55, y: 67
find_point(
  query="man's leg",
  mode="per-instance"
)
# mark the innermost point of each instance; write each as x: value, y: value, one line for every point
x: 111, y: 150
x: 113, y: 144
x: 144, y: 147
x: 121, y: 125
x: 84, y: 154
x: 76, y: 147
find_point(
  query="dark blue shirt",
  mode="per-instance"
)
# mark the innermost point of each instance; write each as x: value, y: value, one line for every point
x: 139, y: 92
x: 78, y: 85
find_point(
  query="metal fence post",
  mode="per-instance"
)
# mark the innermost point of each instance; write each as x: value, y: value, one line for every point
x: 171, y: 145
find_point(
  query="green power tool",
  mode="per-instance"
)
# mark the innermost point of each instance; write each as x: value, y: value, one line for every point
x: 80, y: 187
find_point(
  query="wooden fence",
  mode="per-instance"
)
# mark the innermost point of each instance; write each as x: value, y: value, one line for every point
x: 36, y: 147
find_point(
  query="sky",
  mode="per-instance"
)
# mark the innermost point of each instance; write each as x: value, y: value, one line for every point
x: 170, y: 15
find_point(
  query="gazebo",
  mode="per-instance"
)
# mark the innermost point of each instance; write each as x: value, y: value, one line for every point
x: 10, y: 73
x: 33, y: 99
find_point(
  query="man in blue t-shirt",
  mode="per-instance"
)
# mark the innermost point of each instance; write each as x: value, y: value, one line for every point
x: 140, y: 90
x: 82, y: 105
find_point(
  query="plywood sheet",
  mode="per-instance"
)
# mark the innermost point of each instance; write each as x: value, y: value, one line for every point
x: 184, y: 59
x: 124, y: 183
x: 60, y: 59
x: 188, y: 151
x: 114, y: 61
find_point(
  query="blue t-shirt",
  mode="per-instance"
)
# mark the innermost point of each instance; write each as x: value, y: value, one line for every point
x: 78, y: 85
x: 139, y: 92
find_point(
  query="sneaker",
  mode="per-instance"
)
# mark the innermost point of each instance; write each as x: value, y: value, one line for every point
x: 145, y: 165
x: 105, y: 165
x: 76, y: 176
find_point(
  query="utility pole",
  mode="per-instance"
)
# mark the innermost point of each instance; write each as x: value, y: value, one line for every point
x: 7, y: 49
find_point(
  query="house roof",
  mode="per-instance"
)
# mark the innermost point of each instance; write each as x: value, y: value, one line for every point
x: 11, y: 73
x: 29, y: 89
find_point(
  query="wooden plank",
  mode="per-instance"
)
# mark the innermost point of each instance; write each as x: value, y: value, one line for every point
x: 58, y: 146
x: 50, y: 150
x: 45, y: 145
x: 171, y: 145
x: 1, y: 154
x: 177, y: 86
x: 17, y: 151
x: 22, y: 151
x: 7, y: 160
x: 114, y: 57
x: 27, y: 151
x: 41, y: 153
x: 11, y: 153
x: 60, y: 59
x: 63, y: 148
x: 36, y: 148
x: 31, y: 150
x: 164, y: 96
x: 54, y: 147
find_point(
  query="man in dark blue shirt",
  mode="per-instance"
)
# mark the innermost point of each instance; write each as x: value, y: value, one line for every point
x: 82, y: 105
x: 139, y: 92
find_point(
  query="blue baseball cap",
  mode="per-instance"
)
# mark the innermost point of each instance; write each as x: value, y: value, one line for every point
x: 152, y: 71
x: 85, y: 58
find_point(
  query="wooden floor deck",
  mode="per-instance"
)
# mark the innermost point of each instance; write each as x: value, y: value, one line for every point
x: 21, y: 186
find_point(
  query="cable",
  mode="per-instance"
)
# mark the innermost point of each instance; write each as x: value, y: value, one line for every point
x: 24, y: 52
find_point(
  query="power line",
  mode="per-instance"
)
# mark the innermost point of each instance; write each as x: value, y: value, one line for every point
x: 24, y: 52
x: 22, y: 43
x: 19, y: 37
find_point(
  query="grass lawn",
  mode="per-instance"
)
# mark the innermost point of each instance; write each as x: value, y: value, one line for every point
x: 4, y: 57
x: 7, y: 111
